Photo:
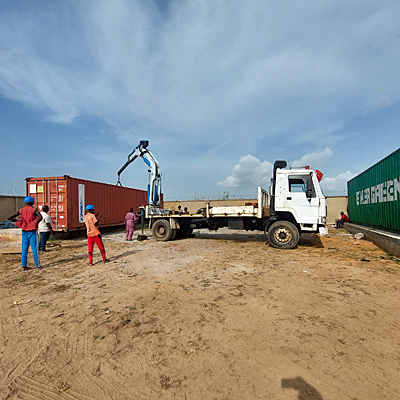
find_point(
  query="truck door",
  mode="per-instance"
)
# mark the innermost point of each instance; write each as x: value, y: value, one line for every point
x: 301, y: 198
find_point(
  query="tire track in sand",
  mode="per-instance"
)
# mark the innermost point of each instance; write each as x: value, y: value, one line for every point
x: 32, y: 389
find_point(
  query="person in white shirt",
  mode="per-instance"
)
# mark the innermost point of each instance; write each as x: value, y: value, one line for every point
x: 45, y: 228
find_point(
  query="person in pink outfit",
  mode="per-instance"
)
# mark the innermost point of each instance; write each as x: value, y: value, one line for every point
x: 130, y: 219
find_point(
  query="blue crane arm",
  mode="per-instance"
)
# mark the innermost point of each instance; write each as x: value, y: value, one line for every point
x: 154, y: 186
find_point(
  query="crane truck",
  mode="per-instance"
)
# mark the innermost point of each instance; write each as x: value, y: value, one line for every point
x: 293, y: 205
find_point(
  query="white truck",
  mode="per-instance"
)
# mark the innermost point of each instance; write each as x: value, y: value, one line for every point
x: 294, y: 204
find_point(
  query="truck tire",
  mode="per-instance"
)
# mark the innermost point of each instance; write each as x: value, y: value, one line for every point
x: 283, y: 235
x: 184, y: 233
x: 162, y: 230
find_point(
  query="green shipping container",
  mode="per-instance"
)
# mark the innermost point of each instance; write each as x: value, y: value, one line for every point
x: 374, y: 195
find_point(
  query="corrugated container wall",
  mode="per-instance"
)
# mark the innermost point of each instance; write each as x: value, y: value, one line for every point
x: 374, y: 195
x: 67, y: 198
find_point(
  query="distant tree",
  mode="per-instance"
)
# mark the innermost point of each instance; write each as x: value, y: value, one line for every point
x: 198, y: 197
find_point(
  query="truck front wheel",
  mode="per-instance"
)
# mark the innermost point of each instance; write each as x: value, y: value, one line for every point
x: 283, y: 235
x: 162, y: 230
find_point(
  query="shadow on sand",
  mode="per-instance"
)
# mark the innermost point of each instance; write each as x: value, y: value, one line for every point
x: 304, y: 389
x: 127, y: 253
x: 306, y: 239
x: 84, y: 257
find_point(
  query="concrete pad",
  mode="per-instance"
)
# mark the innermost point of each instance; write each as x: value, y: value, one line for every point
x: 387, y: 241
x: 10, y: 241
x: 10, y: 232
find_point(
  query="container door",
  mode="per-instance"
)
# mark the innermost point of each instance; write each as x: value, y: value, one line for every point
x: 39, y: 190
x: 35, y: 188
x: 58, y: 203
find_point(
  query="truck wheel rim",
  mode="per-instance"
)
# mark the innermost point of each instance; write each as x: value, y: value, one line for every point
x: 161, y: 230
x: 283, y: 235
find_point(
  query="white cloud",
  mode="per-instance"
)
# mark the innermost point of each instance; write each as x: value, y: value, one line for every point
x: 330, y: 186
x: 314, y: 160
x: 204, y: 66
x: 250, y: 172
x: 201, y: 75
x: 337, y: 185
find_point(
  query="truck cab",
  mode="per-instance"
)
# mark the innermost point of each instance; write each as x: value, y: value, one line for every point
x: 299, y: 194
x: 297, y: 205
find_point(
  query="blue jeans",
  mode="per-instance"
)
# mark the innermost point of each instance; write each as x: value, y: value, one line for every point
x: 29, y: 238
x: 44, y: 236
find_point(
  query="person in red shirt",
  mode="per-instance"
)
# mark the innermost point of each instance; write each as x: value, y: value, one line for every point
x: 93, y: 233
x: 29, y: 218
x: 344, y: 218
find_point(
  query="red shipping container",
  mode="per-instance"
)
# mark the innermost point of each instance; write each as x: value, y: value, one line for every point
x: 67, y: 198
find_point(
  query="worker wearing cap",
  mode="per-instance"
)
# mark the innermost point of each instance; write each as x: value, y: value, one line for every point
x: 93, y: 233
x: 29, y: 218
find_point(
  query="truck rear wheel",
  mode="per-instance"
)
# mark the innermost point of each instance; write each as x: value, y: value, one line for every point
x: 184, y: 233
x: 162, y: 230
x: 283, y: 235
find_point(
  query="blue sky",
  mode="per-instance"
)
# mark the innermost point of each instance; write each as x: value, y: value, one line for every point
x: 221, y: 89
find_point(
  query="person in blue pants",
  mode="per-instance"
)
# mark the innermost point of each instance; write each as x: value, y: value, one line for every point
x: 29, y: 218
x: 29, y: 238
x: 45, y: 228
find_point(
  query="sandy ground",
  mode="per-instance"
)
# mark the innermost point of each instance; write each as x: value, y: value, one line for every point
x: 217, y: 316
